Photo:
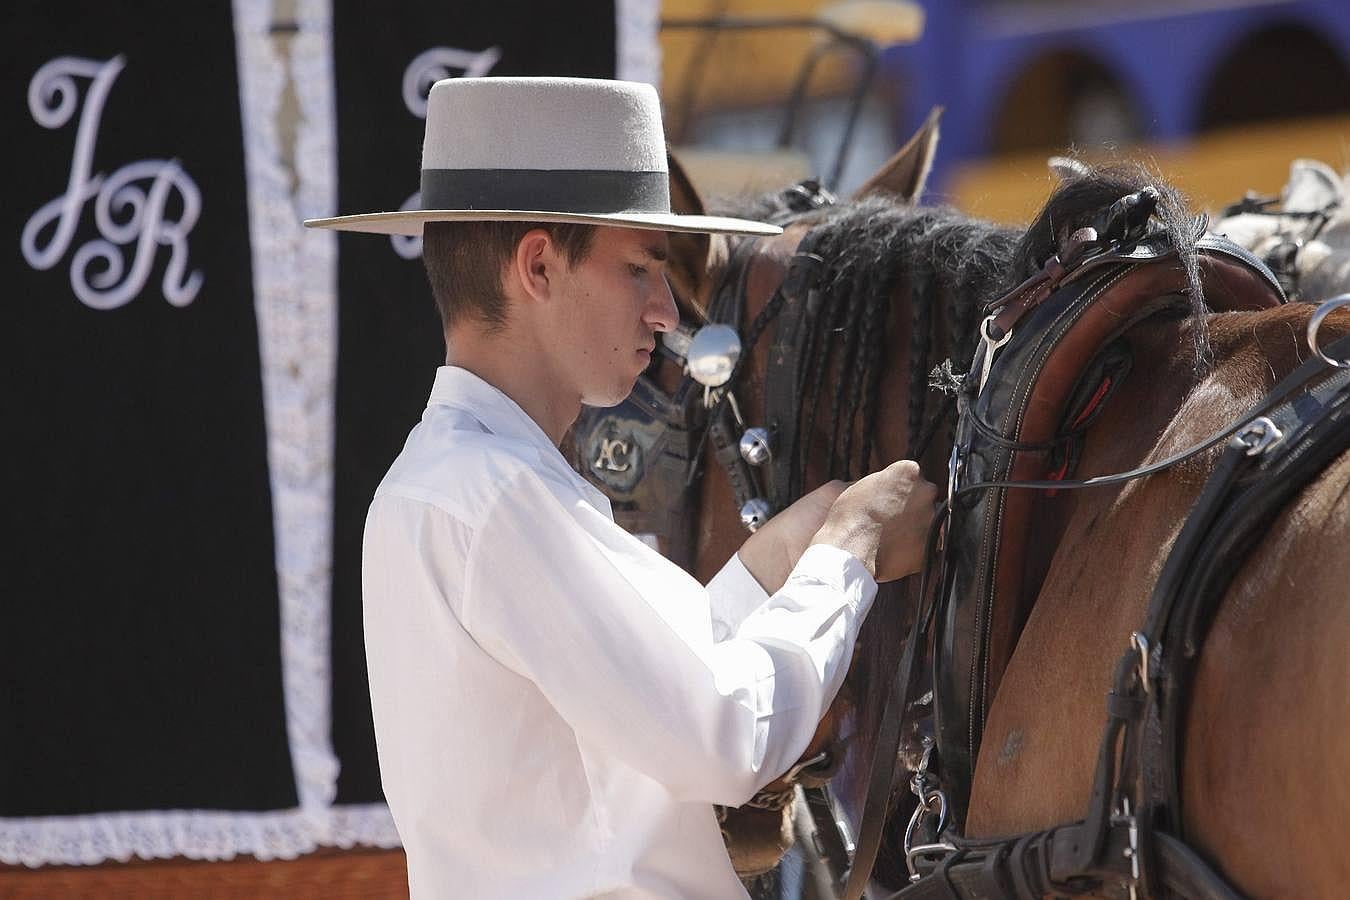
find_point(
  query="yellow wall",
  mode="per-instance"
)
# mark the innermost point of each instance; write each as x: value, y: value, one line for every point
x: 1212, y: 169
x: 742, y: 69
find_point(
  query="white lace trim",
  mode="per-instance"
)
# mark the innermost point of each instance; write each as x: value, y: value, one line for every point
x: 295, y: 293
x: 638, y: 50
x: 368, y: 825
x: 304, y: 373
x: 296, y: 324
x: 161, y: 834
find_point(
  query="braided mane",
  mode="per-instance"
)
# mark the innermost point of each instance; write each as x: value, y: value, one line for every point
x: 945, y: 257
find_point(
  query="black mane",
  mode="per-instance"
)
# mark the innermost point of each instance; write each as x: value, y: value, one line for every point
x: 869, y: 245
x: 1077, y: 201
x: 947, y: 257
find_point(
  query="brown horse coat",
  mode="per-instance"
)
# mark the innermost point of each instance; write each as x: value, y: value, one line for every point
x: 1268, y: 738
x: 1265, y: 779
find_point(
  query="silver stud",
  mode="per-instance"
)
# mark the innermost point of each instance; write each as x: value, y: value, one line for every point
x: 713, y: 353
x: 755, y: 512
x: 755, y: 447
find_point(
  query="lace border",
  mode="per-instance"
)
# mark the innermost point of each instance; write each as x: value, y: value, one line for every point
x: 638, y: 50
x: 194, y: 834
x: 295, y: 333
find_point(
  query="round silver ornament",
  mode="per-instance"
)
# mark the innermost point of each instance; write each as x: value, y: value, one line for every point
x: 755, y: 512
x: 755, y: 446
x: 712, y: 355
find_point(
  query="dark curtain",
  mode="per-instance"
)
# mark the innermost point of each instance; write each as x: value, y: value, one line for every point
x: 389, y: 333
x: 139, y: 636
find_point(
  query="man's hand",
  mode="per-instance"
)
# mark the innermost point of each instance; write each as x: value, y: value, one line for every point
x: 772, y: 551
x: 883, y: 520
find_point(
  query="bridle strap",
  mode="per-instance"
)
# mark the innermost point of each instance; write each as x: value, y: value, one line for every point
x: 881, y: 772
x: 1288, y: 385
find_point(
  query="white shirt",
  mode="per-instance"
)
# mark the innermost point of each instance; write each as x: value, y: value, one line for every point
x: 556, y: 705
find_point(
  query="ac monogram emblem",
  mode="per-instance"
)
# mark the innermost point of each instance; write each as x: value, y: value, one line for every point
x: 613, y: 456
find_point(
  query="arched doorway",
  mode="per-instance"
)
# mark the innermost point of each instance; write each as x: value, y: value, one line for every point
x: 1280, y: 72
x: 1065, y: 98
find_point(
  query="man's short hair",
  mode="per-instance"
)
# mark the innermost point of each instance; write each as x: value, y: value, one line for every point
x: 465, y: 261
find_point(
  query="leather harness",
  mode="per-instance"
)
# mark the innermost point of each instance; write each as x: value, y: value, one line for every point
x: 1019, y: 425
x: 1022, y: 418
x: 646, y: 453
x: 1131, y: 842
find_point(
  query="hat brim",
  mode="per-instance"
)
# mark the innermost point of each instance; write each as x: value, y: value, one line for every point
x: 410, y: 222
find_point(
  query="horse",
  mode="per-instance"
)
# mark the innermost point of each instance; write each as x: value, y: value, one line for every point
x: 1303, y: 234
x: 900, y: 293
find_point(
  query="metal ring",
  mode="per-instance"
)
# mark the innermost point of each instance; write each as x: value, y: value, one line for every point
x: 1140, y: 643
x: 1324, y: 309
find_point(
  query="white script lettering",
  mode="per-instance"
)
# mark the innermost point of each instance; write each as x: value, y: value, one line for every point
x: 129, y: 205
x: 427, y: 68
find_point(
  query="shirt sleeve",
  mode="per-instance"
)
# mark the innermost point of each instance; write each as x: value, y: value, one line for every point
x: 733, y: 594
x: 618, y: 640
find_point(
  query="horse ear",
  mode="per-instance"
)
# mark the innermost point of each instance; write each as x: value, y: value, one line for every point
x: 1313, y: 186
x: 905, y: 174
x: 684, y: 197
x: 1066, y: 168
x: 689, y: 253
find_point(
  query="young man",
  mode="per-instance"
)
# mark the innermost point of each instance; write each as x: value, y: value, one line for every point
x: 557, y: 707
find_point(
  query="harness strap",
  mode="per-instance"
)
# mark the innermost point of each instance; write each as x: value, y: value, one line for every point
x: 885, y: 755
x: 724, y: 434
x: 1018, y: 868
x: 785, y: 372
x: 1247, y: 489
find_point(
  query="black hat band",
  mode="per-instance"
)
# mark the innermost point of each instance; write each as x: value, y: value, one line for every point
x: 584, y: 192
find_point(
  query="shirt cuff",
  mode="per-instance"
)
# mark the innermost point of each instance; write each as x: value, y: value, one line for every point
x: 840, y: 570
x: 733, y: 594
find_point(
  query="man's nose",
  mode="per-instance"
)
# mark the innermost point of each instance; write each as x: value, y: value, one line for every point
x: 662, y: 313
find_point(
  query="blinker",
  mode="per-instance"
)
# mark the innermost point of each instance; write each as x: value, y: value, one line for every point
x: 712, y: 355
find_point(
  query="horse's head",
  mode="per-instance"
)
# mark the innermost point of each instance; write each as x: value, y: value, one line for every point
x: 737, y: 278
x: 1303, y: 235
x: 734, y: 280
x: 699, y: 262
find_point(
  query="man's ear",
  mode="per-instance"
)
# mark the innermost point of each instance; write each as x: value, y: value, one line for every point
x: 534, y: 267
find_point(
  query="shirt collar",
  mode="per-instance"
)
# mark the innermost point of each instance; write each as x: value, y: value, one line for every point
x: 459, y: 388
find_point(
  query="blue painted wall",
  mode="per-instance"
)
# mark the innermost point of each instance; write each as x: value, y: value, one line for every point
x: 971, y: 54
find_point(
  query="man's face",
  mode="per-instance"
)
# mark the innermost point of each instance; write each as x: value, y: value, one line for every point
x: 614, y: 302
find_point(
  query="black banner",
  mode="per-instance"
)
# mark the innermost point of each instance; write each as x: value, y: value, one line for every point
x: 389, y: 333
x: 139, y: 636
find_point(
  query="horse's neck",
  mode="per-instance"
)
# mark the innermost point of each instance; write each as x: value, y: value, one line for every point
x: 1115, y: 541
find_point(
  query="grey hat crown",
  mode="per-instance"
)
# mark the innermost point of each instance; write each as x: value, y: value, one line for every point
x: 562, y: 124
x: 581, y: 150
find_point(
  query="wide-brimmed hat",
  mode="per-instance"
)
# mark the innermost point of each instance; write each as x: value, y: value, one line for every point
x: 579, y: 150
